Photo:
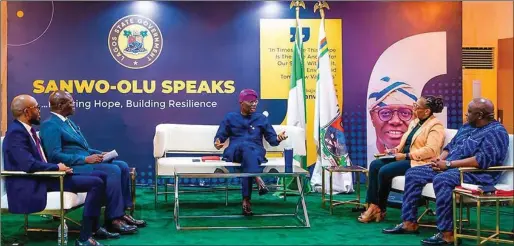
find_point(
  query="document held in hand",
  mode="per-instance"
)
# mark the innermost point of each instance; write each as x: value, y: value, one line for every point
x: 387, y: 157
x: 110, y: 156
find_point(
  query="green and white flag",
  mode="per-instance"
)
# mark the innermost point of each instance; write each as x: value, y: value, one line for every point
x: 296, y: 109
x: 296, y: 112
x: 328, y: 128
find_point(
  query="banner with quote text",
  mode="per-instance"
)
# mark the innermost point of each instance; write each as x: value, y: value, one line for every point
x: 277, y: 36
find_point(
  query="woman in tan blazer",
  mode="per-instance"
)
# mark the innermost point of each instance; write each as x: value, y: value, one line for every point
x: 421, y: 143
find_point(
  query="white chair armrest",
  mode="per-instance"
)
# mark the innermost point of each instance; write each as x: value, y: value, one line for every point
x: 159, y: 142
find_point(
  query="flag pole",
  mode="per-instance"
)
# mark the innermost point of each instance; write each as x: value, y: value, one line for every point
x: 297, y: 5
x: 320, y: 5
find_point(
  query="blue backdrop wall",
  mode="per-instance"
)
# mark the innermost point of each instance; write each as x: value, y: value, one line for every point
x: 204, y: 41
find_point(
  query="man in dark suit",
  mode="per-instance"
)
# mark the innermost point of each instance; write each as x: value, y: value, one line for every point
x: 63, y: 142
x: 22, y: 151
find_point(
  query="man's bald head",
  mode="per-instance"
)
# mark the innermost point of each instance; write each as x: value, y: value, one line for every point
x: 480, y: 112
x: 20, y: 103
x: 26, y: 109
x: 61, y: 102
x: 58, y: 97
x: 485, y: 106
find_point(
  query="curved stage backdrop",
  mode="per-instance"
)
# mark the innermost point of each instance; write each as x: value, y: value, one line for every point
x: 131, y: 66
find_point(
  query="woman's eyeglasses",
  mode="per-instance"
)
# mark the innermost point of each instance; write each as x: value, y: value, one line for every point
x: 386, y: 114
x: 417, y: 106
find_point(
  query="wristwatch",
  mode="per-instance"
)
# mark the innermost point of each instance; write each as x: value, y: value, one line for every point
x: 448, y: 164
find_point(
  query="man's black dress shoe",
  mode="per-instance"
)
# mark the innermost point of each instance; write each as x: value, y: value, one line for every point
x: 121, y: 227
x: 221, y: 170
x: 398, y: 229
x: 90, y: 242
x: 263, y: 190
x: 131, y: 221
x: 273, y: 170
x: 102, y: 233
x: 436, y: 239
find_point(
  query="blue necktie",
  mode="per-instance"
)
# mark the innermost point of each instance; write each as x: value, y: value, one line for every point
x: 76, y: 131
x: 72, y: 127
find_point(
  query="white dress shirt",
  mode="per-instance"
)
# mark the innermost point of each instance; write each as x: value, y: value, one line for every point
x: 60, y: 116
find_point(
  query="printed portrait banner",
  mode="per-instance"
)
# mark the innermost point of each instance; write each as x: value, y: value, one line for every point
x: 396, y: 83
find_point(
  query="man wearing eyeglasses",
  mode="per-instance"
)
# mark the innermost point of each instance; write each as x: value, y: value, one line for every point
x: 391, y: 111
x: 245, y: 129
x: 23, y: 152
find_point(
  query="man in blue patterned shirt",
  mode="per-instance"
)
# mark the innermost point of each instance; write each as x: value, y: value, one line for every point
x: 482, y: 143
x: 246, y: 129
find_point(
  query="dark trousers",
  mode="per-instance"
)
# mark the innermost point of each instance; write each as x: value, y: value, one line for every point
x: 94, y: 185
x: 117, y: 186
x: 381, y: 174
x: 250, y: 163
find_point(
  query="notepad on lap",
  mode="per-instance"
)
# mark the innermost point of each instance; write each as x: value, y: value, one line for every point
x: 387, y: 157
x: 110, y: 156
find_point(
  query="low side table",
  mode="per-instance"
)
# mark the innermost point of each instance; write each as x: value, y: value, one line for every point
x: 458, y: 230
x: 341, y: 169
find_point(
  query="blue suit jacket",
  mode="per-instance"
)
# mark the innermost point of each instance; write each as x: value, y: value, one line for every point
x: 62, y: 144
x: 24, y: 194
x: 245, y: 131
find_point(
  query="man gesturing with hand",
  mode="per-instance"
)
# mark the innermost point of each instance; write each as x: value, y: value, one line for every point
x: 246, y: 129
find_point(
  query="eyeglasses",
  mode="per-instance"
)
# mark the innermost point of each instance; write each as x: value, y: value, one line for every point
x: 416, y: 106
x: 386, y: 114
x: 38, y: 107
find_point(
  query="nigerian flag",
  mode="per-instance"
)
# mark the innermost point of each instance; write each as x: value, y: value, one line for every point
x: 296, y: 102
x: 296, y: 110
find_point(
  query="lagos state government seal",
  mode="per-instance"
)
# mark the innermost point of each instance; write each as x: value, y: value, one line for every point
x: 135, y: 41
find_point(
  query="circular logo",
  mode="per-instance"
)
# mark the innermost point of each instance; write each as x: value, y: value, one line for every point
x: 135, y: 41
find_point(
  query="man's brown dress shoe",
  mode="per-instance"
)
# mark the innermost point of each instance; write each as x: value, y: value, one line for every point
x: 121, y: 227
x: 131, y: 221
